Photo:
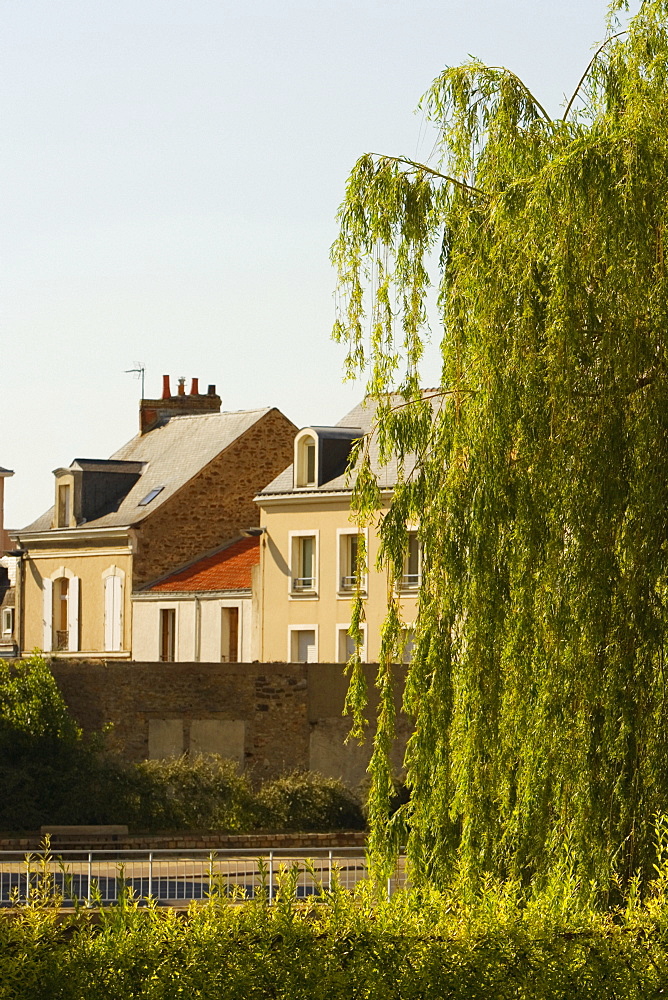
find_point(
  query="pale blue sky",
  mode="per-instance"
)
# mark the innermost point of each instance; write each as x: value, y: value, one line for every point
x: 170, y: 172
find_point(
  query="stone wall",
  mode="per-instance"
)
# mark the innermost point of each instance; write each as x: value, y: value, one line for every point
x: 209, y: 841
x: 270, y: 717
x: 217, y: 503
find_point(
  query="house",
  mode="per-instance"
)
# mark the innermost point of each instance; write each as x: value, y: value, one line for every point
x: 183, y: 486
x: 201, y: 612
x: 309, y: 552
x: 7, y: 579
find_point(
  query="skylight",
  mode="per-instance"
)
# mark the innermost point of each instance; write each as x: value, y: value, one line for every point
x: 150, y: 496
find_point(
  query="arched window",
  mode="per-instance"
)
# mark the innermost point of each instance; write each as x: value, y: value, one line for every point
x: 306, y: 460
x: 61, y: 612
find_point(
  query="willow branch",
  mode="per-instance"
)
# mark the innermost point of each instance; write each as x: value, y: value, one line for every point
x: 434, y: 173
x: 537, y: 104
x: 586, y: 72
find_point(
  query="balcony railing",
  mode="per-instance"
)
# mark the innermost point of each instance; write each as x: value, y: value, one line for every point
x: 62, y: 640
x: 303, y: 583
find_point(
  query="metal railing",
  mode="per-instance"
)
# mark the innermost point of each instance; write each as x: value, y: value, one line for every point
x: 175, y: 878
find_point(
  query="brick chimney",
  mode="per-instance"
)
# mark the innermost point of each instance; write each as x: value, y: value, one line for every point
x: 153, y: 412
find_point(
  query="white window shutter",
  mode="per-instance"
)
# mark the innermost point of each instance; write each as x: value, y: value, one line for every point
x: 118, y: 613
x: 113, y: 613
x: 73, y: 615
x: 47, y: 615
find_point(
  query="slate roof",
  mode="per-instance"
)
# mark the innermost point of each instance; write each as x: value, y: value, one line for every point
x: 172, y: 454
x: 227, y: 569
x: 361, y: 416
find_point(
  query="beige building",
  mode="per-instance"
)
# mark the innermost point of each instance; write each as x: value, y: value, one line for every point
x: 182, y: 487
x: 309, y: 564
x: 7, y: 579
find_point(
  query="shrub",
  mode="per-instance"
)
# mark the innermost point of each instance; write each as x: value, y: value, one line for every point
x: 307, y: 801
x: 420, y: 945
x: 205, y: 792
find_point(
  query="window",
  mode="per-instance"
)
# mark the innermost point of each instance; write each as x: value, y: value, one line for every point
x: 60, y: 616
x: 167, y: 635
x: 410, y: 579
x: 349, y: 562
x: 7, y: 621
x: 345, y: 644
x: 60, y: 595
x: 113, y: 610
x: 305, y: 460
x: 150, y: 496
x: 229, y: 635
x: 407, y: 644
x: 303, y: 563
x: 64, y: 505
x: 303, y: 647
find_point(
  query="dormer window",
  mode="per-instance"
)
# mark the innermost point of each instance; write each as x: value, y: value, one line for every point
x: 64, y: 505
x: 306, y: 463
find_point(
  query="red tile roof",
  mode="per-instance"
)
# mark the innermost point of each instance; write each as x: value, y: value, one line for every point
x: 228, y: 569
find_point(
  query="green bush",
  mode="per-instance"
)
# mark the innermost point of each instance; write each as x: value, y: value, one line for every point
x: 420, y: 945
x: 307, y: 801
x: 187, y: 793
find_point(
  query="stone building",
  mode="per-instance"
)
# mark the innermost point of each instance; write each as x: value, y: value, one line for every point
x: 183, y: 486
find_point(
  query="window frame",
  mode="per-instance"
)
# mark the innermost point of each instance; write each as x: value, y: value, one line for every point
x: 164, y: 610
x: 7, y: 616
x: 343, y: 560
x: 51, y: 590
x: 295, y: 553
x: 341, y: 629
x: 292, y: 632
x: 64, y: 495
x: 404, y: 585
x: 231, y: 606
x: 301, y: 478
x: 407, y: 642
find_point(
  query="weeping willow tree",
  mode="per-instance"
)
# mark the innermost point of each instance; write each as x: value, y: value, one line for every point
x: 537, y: 469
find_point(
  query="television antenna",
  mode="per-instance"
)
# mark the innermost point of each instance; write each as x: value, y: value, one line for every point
x: 138, y: 372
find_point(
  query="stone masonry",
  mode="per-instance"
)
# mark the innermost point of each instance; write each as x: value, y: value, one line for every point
x: 217, y: 503
x: 271, y: 717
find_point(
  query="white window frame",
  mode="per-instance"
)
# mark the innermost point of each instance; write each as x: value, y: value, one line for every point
x: 73, y: 599
x: 175, y: 608
x: 294, y: 554
x: 301, y: 478
x: 407, y: 635
x: 229, y: 605
x: 7, y: 621
x: 292, y: 629
x: 403, y: 585
x: 113, y: 643
x: 64, y: 500
x: 342, y: 536
x: 342, y: 627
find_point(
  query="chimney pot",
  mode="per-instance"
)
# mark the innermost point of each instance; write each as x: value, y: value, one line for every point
x: 212, y: 390
x: 194, y: 388
x: 166, y: 391
x: 182, y: 387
